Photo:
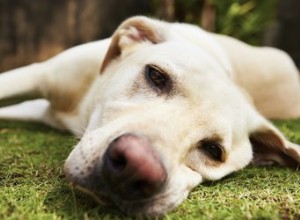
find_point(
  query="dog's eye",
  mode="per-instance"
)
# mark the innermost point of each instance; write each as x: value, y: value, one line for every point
x: 156, y: 77
x: 213, y: 149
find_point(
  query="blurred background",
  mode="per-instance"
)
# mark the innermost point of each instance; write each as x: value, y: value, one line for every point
x: 34, y: 30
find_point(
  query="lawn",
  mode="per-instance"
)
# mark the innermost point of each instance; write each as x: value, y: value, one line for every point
x: 32, y: 184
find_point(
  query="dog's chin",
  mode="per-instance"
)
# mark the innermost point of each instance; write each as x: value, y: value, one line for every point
x: 101, y: 199
x: 149, y: 208
x: 155, y: 207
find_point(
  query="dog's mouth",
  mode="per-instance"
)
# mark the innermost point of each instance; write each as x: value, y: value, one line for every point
x: 155, y: 206
x: 101, y: 198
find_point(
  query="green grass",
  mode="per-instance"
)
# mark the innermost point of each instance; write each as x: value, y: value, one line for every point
x: 32, y: 185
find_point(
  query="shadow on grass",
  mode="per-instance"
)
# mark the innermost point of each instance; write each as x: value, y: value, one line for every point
x: 72, y: 204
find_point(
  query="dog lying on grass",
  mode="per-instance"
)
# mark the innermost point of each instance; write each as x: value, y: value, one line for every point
x: 160, y: 108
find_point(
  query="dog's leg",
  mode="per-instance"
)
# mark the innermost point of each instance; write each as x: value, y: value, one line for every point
x: 34, y: 92
x: 59, y: 79
x: 22, y: 84
x: 63, y: 81
x: 34, y: 110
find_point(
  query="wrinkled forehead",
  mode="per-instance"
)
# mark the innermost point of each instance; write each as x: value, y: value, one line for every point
x: 196, y: 72
x: 201, y: 80
x: 181, y: 57
x: 202, y: 85
x: 197, y: 76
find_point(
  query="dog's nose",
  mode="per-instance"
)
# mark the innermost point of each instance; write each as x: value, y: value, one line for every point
x: 131, y: 168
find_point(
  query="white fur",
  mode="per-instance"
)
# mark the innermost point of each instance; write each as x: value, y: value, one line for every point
x: 221, y: 86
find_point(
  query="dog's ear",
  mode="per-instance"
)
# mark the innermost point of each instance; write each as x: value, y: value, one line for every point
x: 271, y: 147
x: 131, y: 33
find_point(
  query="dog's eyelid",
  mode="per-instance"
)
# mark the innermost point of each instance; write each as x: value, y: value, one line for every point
x: 159, y: 79
x: 161, y: 70
x: 212, y: 148
x: 156, y: 67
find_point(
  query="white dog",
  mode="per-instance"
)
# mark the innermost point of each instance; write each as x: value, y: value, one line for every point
x: 172, y: 106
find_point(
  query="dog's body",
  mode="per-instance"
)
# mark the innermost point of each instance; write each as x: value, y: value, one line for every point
x: 172, y: 107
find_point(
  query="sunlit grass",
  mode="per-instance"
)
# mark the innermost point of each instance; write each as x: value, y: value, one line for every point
x: 32, y: 184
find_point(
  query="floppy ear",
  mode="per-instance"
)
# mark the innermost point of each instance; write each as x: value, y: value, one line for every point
x: 271, y: 147
x: 131, y: 33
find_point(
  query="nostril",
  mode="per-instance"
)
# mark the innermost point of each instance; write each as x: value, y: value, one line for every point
x: 118, y: 161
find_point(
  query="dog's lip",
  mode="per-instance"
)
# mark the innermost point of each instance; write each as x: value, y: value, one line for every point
x: 146, y: 207
x: 109, y: 199
x: 106, y: 197
x: 101, y: 199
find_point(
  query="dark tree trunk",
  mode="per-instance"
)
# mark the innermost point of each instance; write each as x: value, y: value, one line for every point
x: 286, y: 33
x: 289, y: 23
x: 32, y: 31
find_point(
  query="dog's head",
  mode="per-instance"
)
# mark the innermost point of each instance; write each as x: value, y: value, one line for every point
x: 166, y: 117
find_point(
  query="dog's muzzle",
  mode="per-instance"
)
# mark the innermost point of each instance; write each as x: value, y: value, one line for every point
x: 129, y: 173
x: 131, y: 169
